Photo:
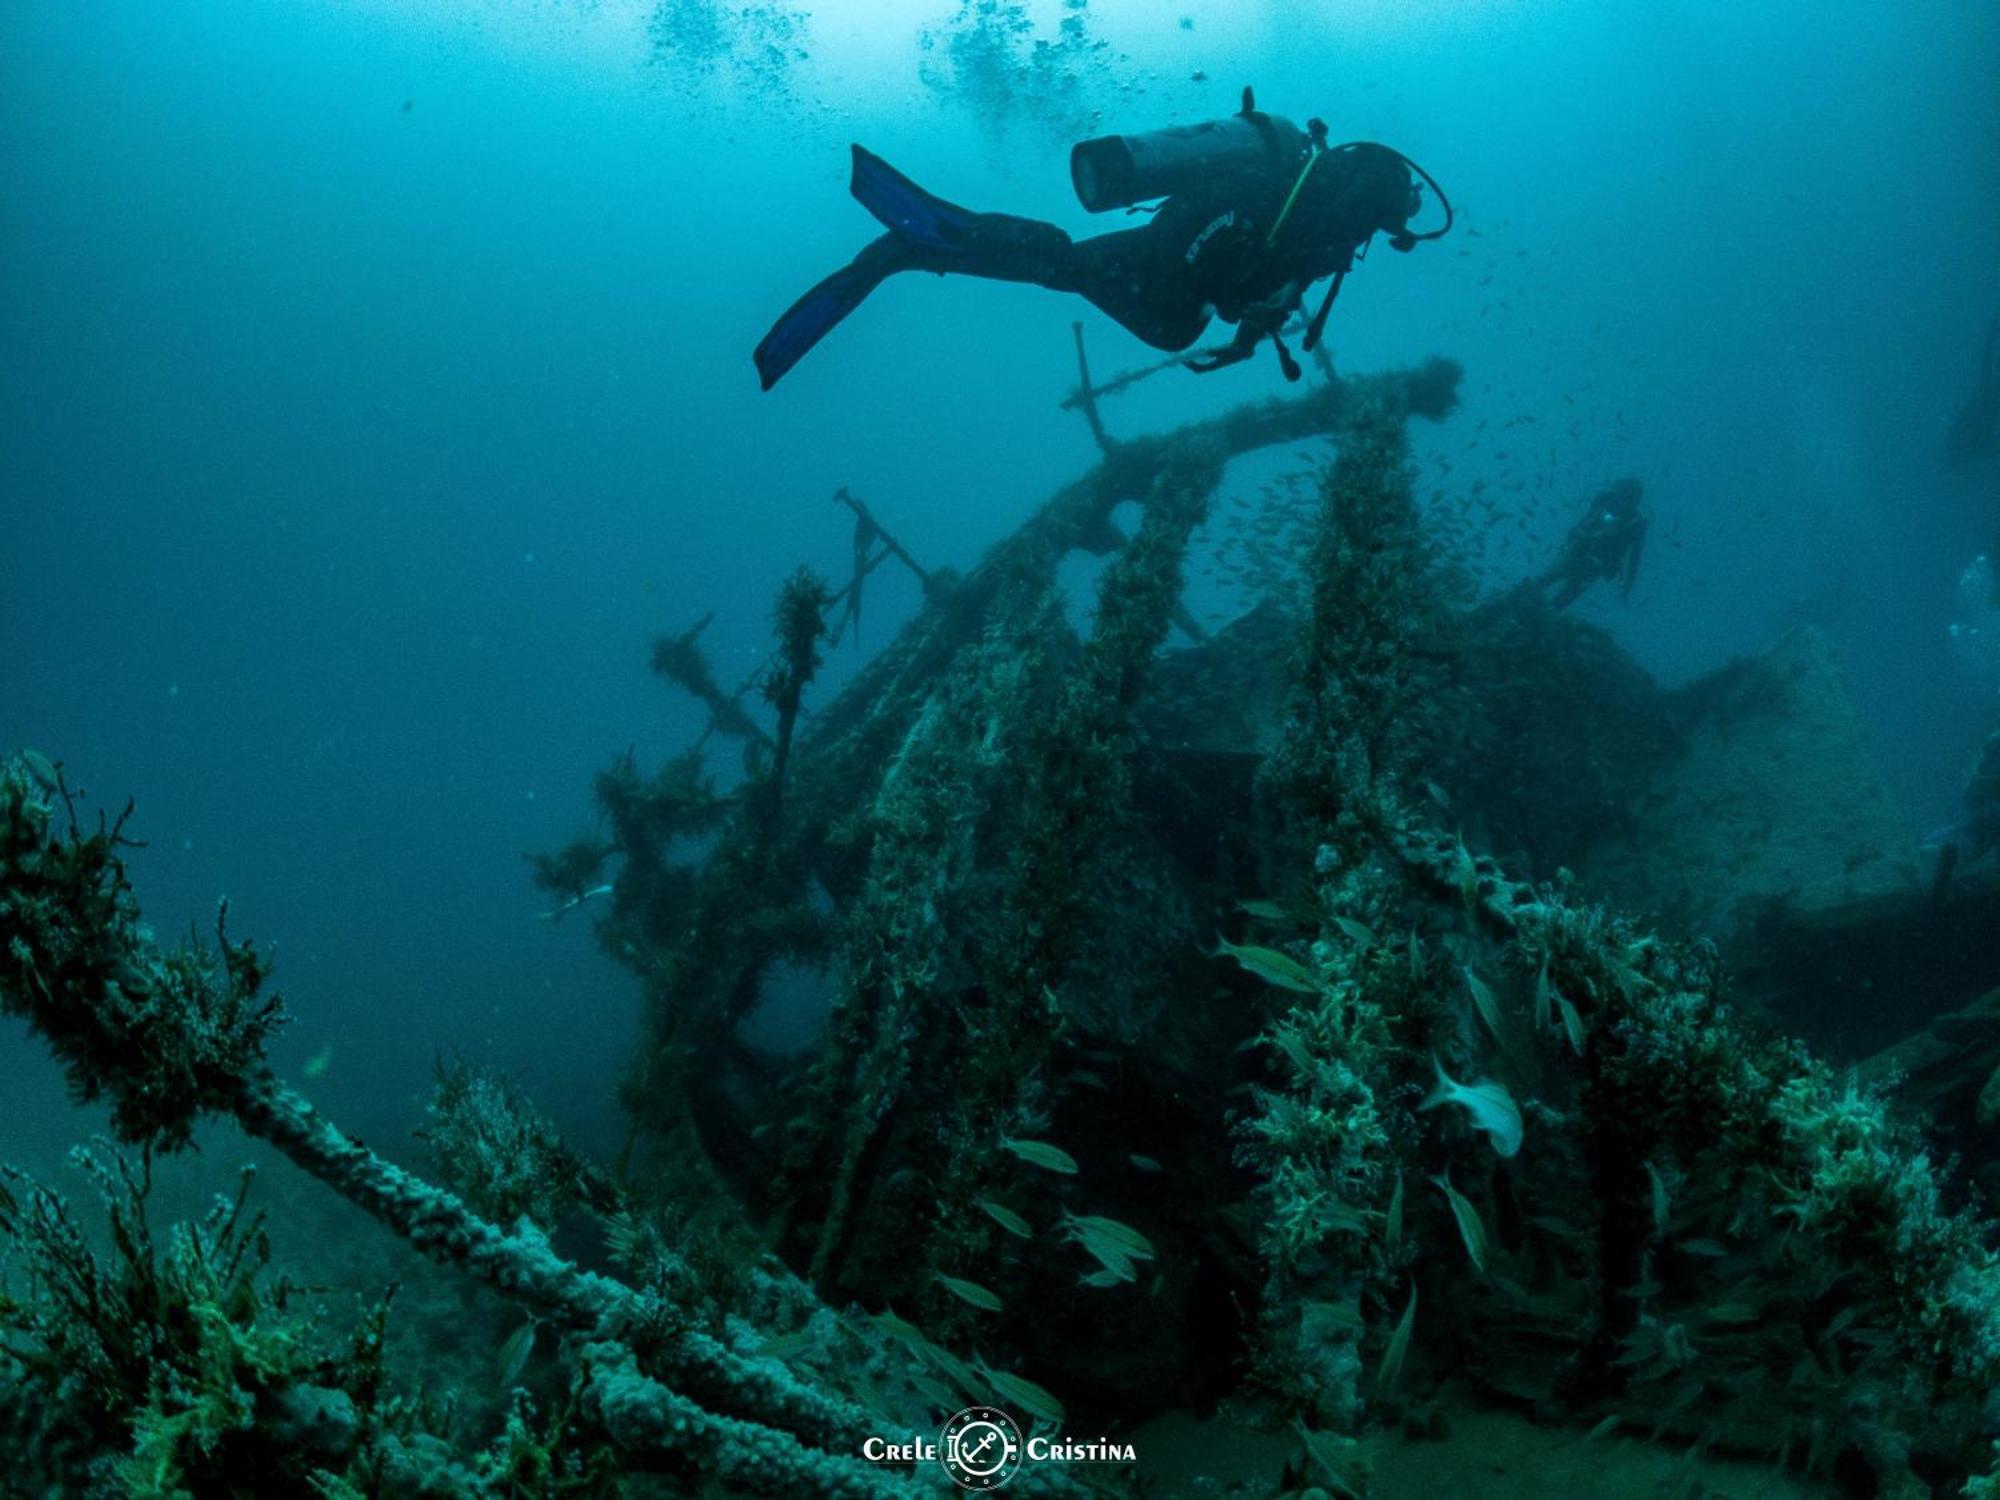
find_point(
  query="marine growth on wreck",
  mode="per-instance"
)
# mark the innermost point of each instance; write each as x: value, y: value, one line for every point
x: 1369, y: 1040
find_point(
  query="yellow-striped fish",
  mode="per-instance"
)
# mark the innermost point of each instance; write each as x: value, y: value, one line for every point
x: 1271, y: 966
x: 969, y: 1292
x: 1005, y: 1217
x: 1109, y: 1231
x: 1483, y: 1000
x: 1024, y: 1393
x: 1041, y: 1154
x: 1471, y: 1228
x: 1391, y: 1369
x: 1572, y: 1024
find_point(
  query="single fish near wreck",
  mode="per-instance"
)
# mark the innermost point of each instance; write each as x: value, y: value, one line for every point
x: 1491, y: 1108
x: 953, y: 1368
x: 897, y: 1327
x: 1358, y: 933
x: 1117, y: 1265
x: 1006, y: 1218
x: 1041, y: 1154
x: 1483, y: 1000
x: 1391, y: 1369
x: 1089, y: 1228
x: 1662, y: 1200
x: 1465, y: 870
x: 1471, y: 1228
x: 1572, y: 1024
x: 1271, y: 966
x: 1344, y: 1462
x: 970, y: 1292
x: 513, y: 1358
x: 1024, y: 1393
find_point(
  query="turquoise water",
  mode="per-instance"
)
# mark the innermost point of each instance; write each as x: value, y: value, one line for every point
x: 376, y: 386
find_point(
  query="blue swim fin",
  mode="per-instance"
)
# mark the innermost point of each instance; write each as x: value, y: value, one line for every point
x: 923, y: 231
x: 816, y: 314
x: 906, y: 209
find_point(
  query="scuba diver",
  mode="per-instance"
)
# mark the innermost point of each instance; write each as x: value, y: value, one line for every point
x: 1255, y: 211
x: 1975, y: 431
x: 1976, y: 830
x: 1973, y: 637
x: 1605, y: 544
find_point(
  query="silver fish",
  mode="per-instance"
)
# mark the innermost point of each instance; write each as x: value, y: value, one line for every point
x: 1489, y: 1104
x: 1471, y: 1228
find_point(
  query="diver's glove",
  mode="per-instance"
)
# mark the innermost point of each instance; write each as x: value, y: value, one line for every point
x: 1234, y: 352
x: 1258, y: 322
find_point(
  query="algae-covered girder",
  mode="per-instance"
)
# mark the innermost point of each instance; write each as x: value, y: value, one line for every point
x: 680, y: 659
x: 960, y: 828
x: 851, y: 735
x: 171, y: 1036
x: 958, y: 821
x: 1738, y: 1206
x: 851, y: 739
x: 704, y: 965
x: 1084, y: 398
x: 801, y: 620
x: 1832, y: 1174
x: 867, y: 525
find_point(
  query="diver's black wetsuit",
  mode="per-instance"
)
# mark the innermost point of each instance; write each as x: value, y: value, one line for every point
x: 1607, y: 543
x: 1976, y: 830
x: 1974, y: 433
x: 1209, y: 251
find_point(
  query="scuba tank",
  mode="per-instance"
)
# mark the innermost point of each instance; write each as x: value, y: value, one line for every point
x: 1116, y: 171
